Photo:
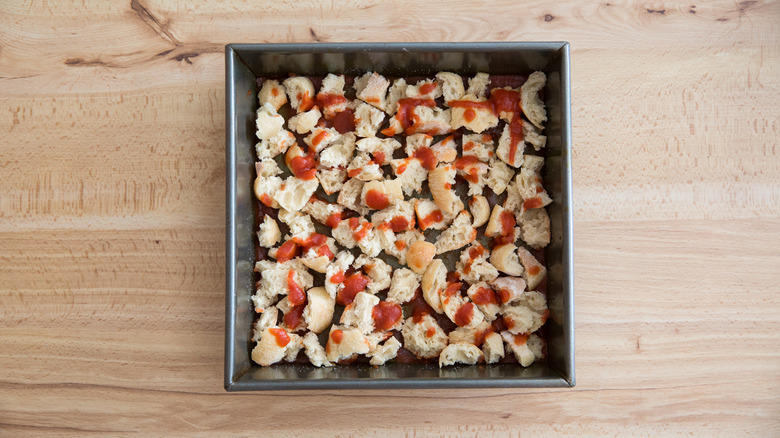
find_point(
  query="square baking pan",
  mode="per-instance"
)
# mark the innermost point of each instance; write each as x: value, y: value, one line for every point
x: 244, y: 63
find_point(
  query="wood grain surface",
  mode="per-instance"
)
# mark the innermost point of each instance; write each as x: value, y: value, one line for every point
x: 112, y: 219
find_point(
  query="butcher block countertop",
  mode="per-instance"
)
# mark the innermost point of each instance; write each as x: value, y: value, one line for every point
x: 112, y: 219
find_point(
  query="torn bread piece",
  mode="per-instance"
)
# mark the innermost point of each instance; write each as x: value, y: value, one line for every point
x: 371, y: 88
x: 485, y: 298
x: 472, y: 335
x: 403, y: 285
x: 480, y: 210
x: 533, y: 136
x: 461, y: 352
x: 473, y: 266
x: 430, y: 216
x: 357, y: 314
x: 331, y: 180
x: 526, y: 348
x: 314, y: 351
x: 478, y: 85
x: 300, y: 90
x: 335, y: 273
x: 402, y: 243
x: 331, y: 95
x: 434, y: 280
x: 379, y: 195
x: 458, y: 235
x: 460, y: 309
x: 326, y: 213
x: 367, y: 120
x: 508, y: 288
x: 304, y: 122
x: 424, y: 338
x: 318, y: 313
x: 278, y: 144
x: 473, y: 171
x: 268, y: 122
x: 345, y: 343
x: 451, y: 85
x: 472, y: 113
x: 533, y: 107
x: 526, y: 314
x: 398, y: 216
x: 269, y: 234
x: 382, y: 353
x: 364, y: 168
x: 529, y: 184
x: 295, y: 192
x: 381, y: 149
x: 504, y: 258
x: 265, y: 188
x: 378, y: 272
x: 411, y: 173
x: 478, y: 145
x: 431, y: 120
x: 420, y: 255
x: 493, y: 347
x: 396, y: 92
x: 424, y: 89
x: 445, y: 150
x: 339, y: 152
x: 272, y: 92
x: 350, y: 194
x: 510, y: 148
x: 268, y: 318
x: 320, y: 138
x: 499, y: 176
x: 275, y: 344
x: 534, y: 271
x: 417, y: 141
x: 440, y: 181
x: 535, y: 227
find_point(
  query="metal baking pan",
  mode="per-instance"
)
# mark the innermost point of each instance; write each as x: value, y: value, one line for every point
x: 244, y: 63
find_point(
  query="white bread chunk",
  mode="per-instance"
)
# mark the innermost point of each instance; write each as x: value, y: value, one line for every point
x: 344, y: 235
x: 533, y: 107
x: 493, y: 347
x: 478, y: 145
x: 316, y: 262
x: 499, y: 176
x: 385, y: 235
x: 471, y: 335
x: 454, y: 303
x: 338, y: 267
x: 275, y: 145
x: 473, y: 266
x: 489, y: 309
x: 370, y: 245
x: 314, y: 351
x: 430, y: 216
x: 535, y: 227
x: 403, y: 285
x: 345, y: 343
x: 349, y: 196
x: 411, y: 174
x: 300, y: 90
x: 339, y: 151
x: 389, y: 188
x: 400, y: 209
x: 274, y: 345
x: 462, y: 352
x: 420, y: 255
x: 364, y: 169
x: 504, y: 150
x: 420, y: 341
x: 268, y: 318
x: 534, y: 271
x: 525, y: 314
x: 378, y: 147
x: 424, y: 89
x: 458, y: 235
x: 434, y: 280
x: 318, y: 313
x: 320, y: 210
x: 384, y: 352
x: 367, y: 120
x: 371, y: 89
x: 358, y: 232
x: 504, y: 258
x: 396, y: 92
x: 532, y: 136
x: 269, y: 123
x: 378, y: 272
x: 301, y: 226
x: 508, y: 289
x: 266, y: 168
x: 304, y: 122
x: 332, y: 85
x: 273, y: 93
x: 446, y: 150
x: 527, y: 349
x: 295, y: 193
x: 269, y: 234
x: 417, y: 141
x: 476, y: 119
x: 357, y: 314
x: 320, y: 138
x: 495, y: 226
x: 284, y: 306
x: 451, y: 85
x: 478, y: 85
x: 331, y: 180
x: 402, y: 243
x: 440, y: 181
x: 513, y: 202
x: 474, y: 173
x: 529, y: 184
x: 273, y: 281
x: 480, y: 210
x: 431, y: 121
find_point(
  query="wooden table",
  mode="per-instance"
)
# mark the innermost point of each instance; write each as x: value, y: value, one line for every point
x: 112, y: 219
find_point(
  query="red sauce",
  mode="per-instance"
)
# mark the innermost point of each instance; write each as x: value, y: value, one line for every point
x: 354, y: 172
x: 405, y: 114
x: 379, y: 157
x: 453, y: 277
x: 506, y: 101
x: 354, y: 222
x: 400, y: 244
x: 325, y: 100
x: 452, y: 289
x: 420, y: 308
x: 533, y: 270
x: 484, y: 296
x: 274, y: 92
x: 545, y: 315
x: 317, y: 139
x: 307, y: 102
x: 476, y: 251
x: 430, y: 332
x: 282, y: 339
x: 399, y: 223
x: 377, y: 200
x: 469, y: 146
x: 435, y: 216
x: 521, y: 339
x: 426, y: 157
x: 535, y: 202
x: 337, y: 336
x: 294, y: 316
x: 484, y: 105
x: 515, y: 137
x: 324, y: 250
x: 504, y: 295
x: 288, y: 251
x: 427, y: 88
x: 266, y: 200
x: 386, y: 315
x: 503, y: 239
x: 469, y: 161
x: 464, y: 314
x: 333, y: 220
x: 344, y: 121
x: 469, y: 115
x: 337, y: 278
x: 295, y: 294
x: 507, y: 223
x: 303, y: 167
x: 353, y: 285
x: 401, y: 169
